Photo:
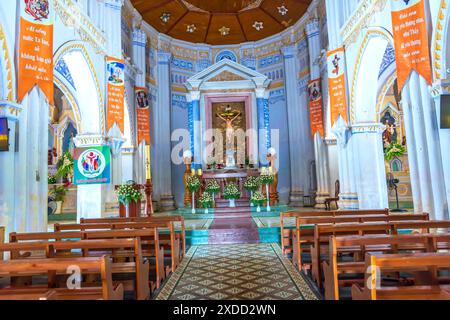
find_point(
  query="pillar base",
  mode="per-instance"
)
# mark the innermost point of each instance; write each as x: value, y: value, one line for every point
x: 348, y: 201
x: 296, y: 199
x: 167, y: 203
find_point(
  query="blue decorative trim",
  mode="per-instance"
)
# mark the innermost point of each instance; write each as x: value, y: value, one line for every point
x: 277, y: 96
x: 388, y: 60
x: 191, y: 125
x: 63, y: 70
x: 226, y: 54
x: 271, y: 60
x: 179, y: 101
x: 267, y: 124
x: 182, y: 64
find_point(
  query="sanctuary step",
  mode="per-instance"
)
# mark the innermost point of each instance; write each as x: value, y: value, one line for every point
x: 222, y: 203
x: 233, y: 226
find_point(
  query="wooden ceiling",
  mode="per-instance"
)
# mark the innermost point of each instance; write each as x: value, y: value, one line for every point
x: 220, y: 22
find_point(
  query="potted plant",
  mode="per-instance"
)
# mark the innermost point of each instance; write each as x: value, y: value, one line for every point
x: 65, y: 167
x: 213, y: 188
x: 59, y: 194
x: 394, y: 150
x: 266, y: 178
x: 258, y: 200
x: 251, y: 185
x: 193, y: 184
x: 128, y: 194
x: 232, y: 193
x: 206, y: 201
x: 51, y: 179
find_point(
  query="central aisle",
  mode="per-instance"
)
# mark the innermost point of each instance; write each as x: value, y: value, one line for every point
x: 235, y: 227
x: 239, y: 271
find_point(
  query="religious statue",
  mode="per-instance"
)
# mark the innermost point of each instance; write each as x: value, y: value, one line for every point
x: 229, y: 117
x: 187, y: 158
x: 272, y: 157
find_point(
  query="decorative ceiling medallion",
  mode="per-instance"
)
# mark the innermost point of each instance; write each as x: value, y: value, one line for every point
x: 165, y: 17
x: 191, y: 28
x: 258, y: 25
x: 283, y: 10
x: 224, y: 31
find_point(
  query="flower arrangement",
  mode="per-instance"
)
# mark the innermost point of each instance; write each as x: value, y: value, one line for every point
x: 266, y: 177
x: 51, y: 179
x: 258, y: 199
x: 231, y: 192
x: 65, y: 166
x: 251, y: 184
x: 127, y: 193
x: 59, y: 192
x: 205, y: 200
x: 394, y: 150
x: 193, y: 183
x: 213, y: 187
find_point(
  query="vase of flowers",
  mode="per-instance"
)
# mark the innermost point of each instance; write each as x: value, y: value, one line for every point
x: 266, y: 178
x: 193, y: 184
x: 213, y: 188
x: 232, y: 193
x: 206, y: 201
x: 128, y: 194
x: 394, y: 150
x: 251, y: 185
x: 258, y: 200
x: 65, y: 167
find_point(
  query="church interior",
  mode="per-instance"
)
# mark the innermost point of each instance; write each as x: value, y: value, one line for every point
x: 224, y: 150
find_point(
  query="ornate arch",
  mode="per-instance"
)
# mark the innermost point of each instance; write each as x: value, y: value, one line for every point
x: 80, y: 46
x: 371, y: 33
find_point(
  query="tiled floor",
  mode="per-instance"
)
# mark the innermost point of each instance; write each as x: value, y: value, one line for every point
x: 237, y: 272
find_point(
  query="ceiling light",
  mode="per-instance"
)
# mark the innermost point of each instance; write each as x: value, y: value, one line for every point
x: 191, y: 28
x: 258, y: 25
x: 165, y: 17
x: 283, y: 10
x: 224, y: 31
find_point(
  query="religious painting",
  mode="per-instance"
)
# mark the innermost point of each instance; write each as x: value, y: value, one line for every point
x: 229, y: 117
x: 390, y: 134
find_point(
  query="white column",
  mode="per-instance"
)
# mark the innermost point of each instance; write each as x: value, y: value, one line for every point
x: 162, y: 140
x: 113, y: 27
x: 297, y: 150
x: 8, y: 180
x: 369, y: 167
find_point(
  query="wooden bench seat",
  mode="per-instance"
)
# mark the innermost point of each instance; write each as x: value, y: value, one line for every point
x: 376, y: 264
x: 334, y: 266
x: 286, y: 233
x: 171, y: 242
x: 102, y: 265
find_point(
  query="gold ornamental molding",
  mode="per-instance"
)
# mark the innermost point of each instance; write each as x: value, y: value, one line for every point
x: 360, y: 19
x: 439, y: 41
x: 6, y: 65
x: 72, y: 16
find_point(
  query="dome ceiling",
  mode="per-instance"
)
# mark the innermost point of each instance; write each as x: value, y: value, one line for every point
x: 219, y: 22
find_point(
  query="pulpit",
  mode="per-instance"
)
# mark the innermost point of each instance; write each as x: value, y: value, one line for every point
x: 134, y: 208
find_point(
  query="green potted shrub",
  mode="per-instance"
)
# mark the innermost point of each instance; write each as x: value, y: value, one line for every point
x: 213, y: 188
x: 59, y: 194
x: 232, y: 193
x: 193, y: 184
x: 65, y: 167
x: 251, y: 185
x: 258, y: 200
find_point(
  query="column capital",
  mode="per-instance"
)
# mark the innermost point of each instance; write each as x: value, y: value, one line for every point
x: 193, y: 96
x: 139, y: 37
x: 289, y: 51
x: 114, y: 4
x: 370, y: 127
x: 164, y: 57
x: 341, y: 131
x: 262, y: 93
x: 312, y: 28
x: 10, y: 110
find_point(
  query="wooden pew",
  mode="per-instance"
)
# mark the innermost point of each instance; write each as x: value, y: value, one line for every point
x: 305, y: 236
x: 172, y: 243
x: 372, y: 243
x: 150, y: 246
x: 377, y: 263
x: 286, y: 234
x: 101, y: 265
x: 177, y: 218
x: 115, y: 248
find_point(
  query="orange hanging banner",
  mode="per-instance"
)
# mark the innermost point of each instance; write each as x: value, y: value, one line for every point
x: 336, y: 84
x: 315, y: 107
x: 142, y: 115
x: 116, y: 93
x: 35, y: 56
x: 411, y: 40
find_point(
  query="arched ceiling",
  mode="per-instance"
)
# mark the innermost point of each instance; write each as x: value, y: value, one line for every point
x: 219, y: 22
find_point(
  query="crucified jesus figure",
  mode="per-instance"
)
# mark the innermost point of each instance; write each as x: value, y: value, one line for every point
x: 229, y: 125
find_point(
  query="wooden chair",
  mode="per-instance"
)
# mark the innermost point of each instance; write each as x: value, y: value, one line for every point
x: 429, y: 289
x: 337, y: 191
x: 100, y: 265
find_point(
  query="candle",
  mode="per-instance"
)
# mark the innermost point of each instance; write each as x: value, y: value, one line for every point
x: 192, y: 172
x: 200, y: 172
x: 270, y: 169
x: 148, y: 174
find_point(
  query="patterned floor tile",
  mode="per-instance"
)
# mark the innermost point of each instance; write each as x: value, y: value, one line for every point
x: 236, y: 272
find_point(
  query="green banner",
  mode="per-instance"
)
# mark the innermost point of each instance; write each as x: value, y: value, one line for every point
x: 92, y: 165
